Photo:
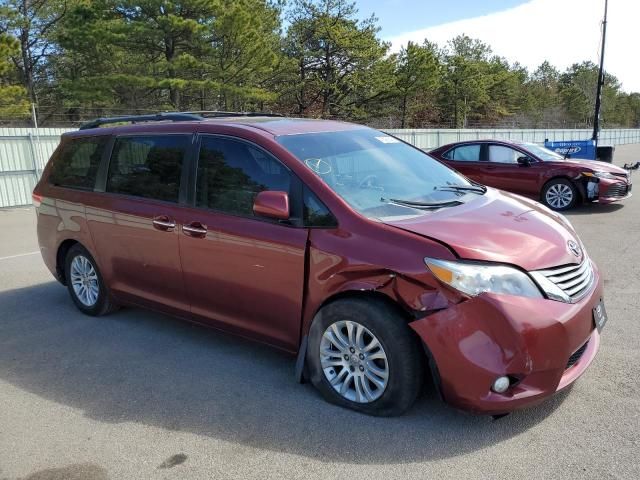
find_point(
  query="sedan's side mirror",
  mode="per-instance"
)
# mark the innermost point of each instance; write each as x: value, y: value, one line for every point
x: 524, y: 161
x: 272, y: 204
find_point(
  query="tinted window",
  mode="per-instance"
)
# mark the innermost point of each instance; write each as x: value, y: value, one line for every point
x: 501, y: 154
x: 315, y: 212
x: 231, y: 173
x: 148, y: 167
x: 76, y: 165
x: 465, y: 153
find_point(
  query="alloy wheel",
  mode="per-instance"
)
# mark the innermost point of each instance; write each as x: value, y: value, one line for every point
x: 559, y: 195
x: 84, y: 281
x: 354, y: 361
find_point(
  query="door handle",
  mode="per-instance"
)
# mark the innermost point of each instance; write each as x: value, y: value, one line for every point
x: 195, y: 229
x: 163, y: 223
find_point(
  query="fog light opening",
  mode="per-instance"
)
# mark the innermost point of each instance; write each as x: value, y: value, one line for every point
x: 501, y: 384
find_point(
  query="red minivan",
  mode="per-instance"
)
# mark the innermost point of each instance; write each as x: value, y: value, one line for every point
x: 372, y: 262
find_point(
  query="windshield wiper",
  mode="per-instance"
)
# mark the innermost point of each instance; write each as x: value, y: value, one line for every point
x: 421, y: 205
x: 476, y: 188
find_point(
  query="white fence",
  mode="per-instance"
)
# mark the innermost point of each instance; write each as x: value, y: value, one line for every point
x: 433, y: 138
x: 23, y: 154
x: 25, y: 151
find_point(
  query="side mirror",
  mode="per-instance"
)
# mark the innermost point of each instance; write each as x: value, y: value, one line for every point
x: 272, y: 204
x: 524, y: 161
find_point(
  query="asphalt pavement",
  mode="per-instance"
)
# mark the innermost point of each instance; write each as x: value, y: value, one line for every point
x: 138, y: 395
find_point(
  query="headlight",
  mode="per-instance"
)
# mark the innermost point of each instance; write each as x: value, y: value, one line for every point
x: 599, y: 174
x: 476, y: 278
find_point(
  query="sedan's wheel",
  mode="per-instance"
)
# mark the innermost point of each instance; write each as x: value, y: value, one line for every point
x: 85, y: 284
x: 354, y: 362
x: 362, y: 355
x: 560, y: 194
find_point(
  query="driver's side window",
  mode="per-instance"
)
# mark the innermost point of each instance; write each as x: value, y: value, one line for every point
x: 502, y: 154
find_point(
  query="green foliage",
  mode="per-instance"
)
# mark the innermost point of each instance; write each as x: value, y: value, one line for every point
x: 13, y: 98
x: 339, y: 60
x: 417, y: 74
x: 77, y: 59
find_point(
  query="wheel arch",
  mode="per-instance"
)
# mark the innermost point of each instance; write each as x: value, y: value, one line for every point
x: 61, y: 256
x: 579, y: 186
x: 377, y: 296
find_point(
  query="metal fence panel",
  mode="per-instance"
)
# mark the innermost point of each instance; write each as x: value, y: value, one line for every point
x: 25, y: 151
x: 23, y: 154
x: 16, y: 188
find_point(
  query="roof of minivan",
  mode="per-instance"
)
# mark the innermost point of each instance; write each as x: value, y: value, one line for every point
x: 274, y: 125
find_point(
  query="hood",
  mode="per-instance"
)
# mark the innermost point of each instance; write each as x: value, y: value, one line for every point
x: 499, y: 227
x: 592, y: 165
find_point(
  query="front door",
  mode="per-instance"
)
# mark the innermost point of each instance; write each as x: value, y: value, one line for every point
x: 242, y: 272
x: 503, y: 171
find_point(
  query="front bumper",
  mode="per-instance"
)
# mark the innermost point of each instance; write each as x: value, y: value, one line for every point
x: 531, y: 340
x: 611, y: 190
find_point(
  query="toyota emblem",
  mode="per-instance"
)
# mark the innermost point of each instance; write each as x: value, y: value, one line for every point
x: 574, y: 248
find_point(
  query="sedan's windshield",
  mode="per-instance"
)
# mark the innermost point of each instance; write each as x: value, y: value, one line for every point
x: 379, y: 175
x: 542, y: 153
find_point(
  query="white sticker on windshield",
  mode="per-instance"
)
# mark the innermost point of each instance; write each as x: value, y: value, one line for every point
x: 387, y: 139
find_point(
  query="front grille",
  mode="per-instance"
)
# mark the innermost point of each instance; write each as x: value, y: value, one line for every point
x: 621, y: 175
x: 574, y: 281
x: 617, y: 190
x: 576, y: 355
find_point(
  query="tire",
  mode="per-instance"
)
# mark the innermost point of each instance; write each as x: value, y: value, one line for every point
x: 97, y: 304
x: 560, y: 194
x: 403, y: 362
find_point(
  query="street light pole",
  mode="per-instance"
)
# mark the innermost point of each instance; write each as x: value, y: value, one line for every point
x: 596, y: 116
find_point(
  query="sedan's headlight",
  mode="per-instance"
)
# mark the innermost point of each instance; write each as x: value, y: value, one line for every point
x: 476, y: 278
x: 599, y: 174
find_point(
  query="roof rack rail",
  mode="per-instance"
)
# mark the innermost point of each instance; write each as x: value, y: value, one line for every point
x: 156, y: 117
x: 222, y: 114
x: 174, y: 117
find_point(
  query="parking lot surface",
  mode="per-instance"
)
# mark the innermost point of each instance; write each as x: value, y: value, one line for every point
x: 139, y: 395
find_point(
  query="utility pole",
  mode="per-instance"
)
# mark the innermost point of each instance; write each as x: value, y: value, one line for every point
x: 596, y: 116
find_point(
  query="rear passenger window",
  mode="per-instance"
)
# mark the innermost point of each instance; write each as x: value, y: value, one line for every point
x: 231, y: 173
x: 465, y: 153
x: 502, y: 154
x: 76, y: 165
x: 148, y: 167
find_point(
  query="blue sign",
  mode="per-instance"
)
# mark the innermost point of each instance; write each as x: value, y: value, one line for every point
x: 582, y: 149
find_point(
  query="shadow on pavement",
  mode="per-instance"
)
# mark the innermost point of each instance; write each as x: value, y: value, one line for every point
x: 138, y: 366
x: 591, y: 208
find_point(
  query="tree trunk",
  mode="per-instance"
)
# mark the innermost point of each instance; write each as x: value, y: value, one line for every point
x: 303, y: 74
x: 326, y: 94
x: 404, y: 110
x: 169, y: 53
x: 27, y: 67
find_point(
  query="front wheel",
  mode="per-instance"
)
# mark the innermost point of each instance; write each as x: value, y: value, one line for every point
x: 560, y: 194
x: 362, y: 355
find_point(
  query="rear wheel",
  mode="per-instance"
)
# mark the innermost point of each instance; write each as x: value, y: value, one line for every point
x: 363, y: 356
x: 85, y: 284
x: 560, y: 194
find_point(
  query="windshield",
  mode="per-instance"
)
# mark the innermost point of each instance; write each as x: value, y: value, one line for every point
x: 377, y: 174
x: 542, y: 153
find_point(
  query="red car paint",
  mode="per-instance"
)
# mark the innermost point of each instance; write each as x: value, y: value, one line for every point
x: 530, y: 180
x: 270, y: 279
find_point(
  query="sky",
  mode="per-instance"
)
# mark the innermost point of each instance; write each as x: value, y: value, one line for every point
x: 561, y: 31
